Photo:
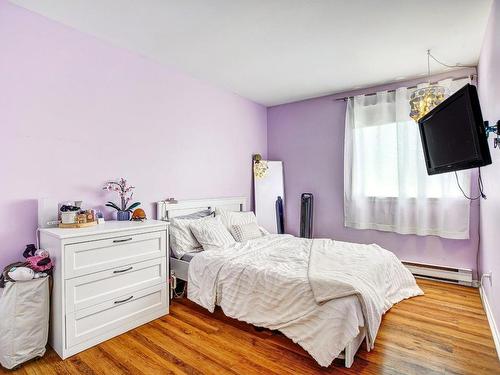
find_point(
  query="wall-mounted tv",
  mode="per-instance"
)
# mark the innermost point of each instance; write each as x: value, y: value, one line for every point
x: 453, y: 134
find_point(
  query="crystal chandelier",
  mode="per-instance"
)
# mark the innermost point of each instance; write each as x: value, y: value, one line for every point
x: 424, y: 99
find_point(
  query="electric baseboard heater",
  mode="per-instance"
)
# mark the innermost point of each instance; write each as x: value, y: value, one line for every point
x: 306, y: 215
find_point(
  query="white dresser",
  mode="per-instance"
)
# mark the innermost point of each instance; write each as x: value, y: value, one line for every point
x: 108, y: 279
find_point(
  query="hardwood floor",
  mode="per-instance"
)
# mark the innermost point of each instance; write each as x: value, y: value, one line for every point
x: 443, y: 332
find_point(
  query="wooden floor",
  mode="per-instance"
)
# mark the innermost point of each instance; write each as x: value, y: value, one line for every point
x: 443, y: 332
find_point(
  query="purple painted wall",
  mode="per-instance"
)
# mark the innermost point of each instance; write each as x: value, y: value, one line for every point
x: 75, y: 111
x: 489, y: 94
x: 309, y: 137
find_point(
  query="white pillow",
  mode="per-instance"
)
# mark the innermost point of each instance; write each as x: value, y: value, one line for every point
x: 245, y: 232
x: 211, y: 233
x: 230, y: 218
x: 182, y: 240
x: 264, y: 231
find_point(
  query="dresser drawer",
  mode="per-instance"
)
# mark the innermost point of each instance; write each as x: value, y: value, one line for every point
x: 97, y: 320
x: 89, y: 290
x: 94, y: 256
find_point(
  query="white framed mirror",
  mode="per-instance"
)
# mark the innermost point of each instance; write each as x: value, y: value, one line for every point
x: 269, y: 194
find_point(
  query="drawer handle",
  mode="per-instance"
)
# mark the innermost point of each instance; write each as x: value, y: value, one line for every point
x: 124, y: 300
x: 123, y: 240
x: 125, y: 270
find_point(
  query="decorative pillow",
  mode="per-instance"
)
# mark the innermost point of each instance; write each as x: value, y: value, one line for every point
x: 230, y: 218
x: 182, y: 240
x: 211, y: 233
x: 245, y: 232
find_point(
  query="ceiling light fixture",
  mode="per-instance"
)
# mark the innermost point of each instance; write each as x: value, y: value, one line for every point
x: 424, y: 99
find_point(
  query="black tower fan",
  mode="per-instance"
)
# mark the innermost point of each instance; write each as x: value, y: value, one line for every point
x: 306, y: 215
x: 280, y: 222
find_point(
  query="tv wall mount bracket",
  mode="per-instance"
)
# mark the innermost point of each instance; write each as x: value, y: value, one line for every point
x: 493, y: 129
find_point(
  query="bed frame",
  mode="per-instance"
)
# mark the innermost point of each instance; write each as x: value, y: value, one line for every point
x: 179, y: 268
x: 166, y: 210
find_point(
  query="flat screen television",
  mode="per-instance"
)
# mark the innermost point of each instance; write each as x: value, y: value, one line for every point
x: 453, y: 135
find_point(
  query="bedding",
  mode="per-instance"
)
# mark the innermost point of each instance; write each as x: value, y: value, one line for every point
x: 230, y: 218
x: 211, y: 233
x: 245, y: 232
x: 369, y: 268
x: 265, y: 282
x: 182, y: 239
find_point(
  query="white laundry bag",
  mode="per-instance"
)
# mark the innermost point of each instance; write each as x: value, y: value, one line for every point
x: 24, y: 321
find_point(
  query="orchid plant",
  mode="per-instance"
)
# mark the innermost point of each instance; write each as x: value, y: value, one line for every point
x: 125, y: 192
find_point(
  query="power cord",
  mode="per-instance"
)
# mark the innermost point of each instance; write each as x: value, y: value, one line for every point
x: 481, y: 195
x: 181, y: 294
x: 37, y: 238
x: 479, y: 185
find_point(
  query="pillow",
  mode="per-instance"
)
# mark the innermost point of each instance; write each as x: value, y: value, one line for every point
x: 230, y: 218
x: 196, y: 215
x: 245, y: 232
x: 211, y: 233
x: 182, y: 240
x: 264, y: 231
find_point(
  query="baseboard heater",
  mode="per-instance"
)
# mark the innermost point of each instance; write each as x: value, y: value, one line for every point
x: 459, y: 276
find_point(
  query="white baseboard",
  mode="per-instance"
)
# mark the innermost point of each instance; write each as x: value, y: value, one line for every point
x: 491, y: 319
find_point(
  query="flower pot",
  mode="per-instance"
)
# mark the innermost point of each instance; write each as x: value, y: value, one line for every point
x: 122, y: 215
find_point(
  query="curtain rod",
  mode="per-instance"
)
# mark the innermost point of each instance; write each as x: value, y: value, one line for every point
x: 471, y: 77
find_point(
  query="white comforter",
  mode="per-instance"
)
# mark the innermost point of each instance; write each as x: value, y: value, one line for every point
x: 376, y: 276
x: 265, y: 282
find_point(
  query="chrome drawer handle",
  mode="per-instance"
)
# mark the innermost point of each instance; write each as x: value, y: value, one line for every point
x: 124, y: 300
x: 123, y: 240
x: 125, y: 270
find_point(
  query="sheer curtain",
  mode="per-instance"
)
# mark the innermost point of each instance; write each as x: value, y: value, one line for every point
x: 386, y: 186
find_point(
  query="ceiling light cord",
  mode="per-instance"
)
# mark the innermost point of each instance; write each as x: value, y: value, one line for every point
x: 429, y: 64
x: 429, y: 54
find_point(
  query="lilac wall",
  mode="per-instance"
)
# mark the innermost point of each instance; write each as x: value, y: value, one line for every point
x: 309, y: 137
x: 75, y: 111
x: 489, y: 93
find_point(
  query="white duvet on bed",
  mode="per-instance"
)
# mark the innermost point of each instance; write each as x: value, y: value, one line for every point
x: 265, y: 282
x: 376, y: 276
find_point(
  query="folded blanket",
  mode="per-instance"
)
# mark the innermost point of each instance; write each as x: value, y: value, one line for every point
x: 376, y: 276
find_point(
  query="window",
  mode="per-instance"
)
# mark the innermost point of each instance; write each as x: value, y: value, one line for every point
x: 386, y: 183
x: 390, y: 163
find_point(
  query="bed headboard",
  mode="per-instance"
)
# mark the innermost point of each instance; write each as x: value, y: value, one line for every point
x: 166, y: 210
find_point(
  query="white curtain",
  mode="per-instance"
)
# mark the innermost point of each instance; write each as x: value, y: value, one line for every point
x: 386, y: 186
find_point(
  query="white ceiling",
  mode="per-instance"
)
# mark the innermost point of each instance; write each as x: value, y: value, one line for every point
x: 278, y: 51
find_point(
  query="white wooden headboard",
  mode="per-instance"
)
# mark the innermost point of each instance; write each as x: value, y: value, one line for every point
x: 166, y: 210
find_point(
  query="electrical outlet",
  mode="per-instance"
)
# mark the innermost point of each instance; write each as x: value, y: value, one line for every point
x: 487, y: 275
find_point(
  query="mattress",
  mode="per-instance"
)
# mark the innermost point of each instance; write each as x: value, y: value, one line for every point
x: 188, y: 256
x: 180, y: 266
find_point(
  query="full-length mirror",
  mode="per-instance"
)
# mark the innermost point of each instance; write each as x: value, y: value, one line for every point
x: 269, y: 194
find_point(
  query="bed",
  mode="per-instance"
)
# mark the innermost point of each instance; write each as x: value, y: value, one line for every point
x: 265, y: 282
